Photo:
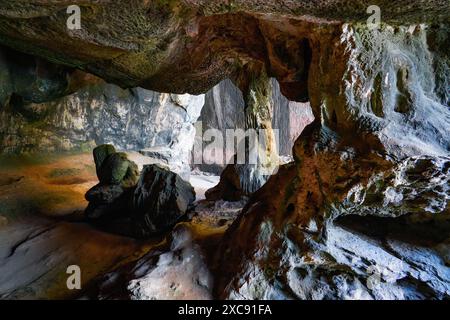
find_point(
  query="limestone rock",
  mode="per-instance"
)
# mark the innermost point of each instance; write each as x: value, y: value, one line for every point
x: 224, y: 110
x: 201, y: 40
x: 118, y: 176
x: 363, y: 213
x: 229, y: 187
x: 161, y: 198
x: 100, y: 113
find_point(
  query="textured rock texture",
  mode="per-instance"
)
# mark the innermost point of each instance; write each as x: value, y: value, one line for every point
x: 26, y: 79
x: 150, y: 44
x: 132, y: 203
x: 160, y: 200
x: 178, y: 271
x: 363, y: 213
x: 226, y: 110
x: 118, y: 176
x: 135, y: 119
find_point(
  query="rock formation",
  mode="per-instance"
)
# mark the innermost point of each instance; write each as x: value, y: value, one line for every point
x: 139, y: 204
x: 150, y: 44
x: 118, y: 176
x: 362, y: 212
x: 103, y: 113
x: 309, y: 240
x: 160, y: 200
x: 224, y: 110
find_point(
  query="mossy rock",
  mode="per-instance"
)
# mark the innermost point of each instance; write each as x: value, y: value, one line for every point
x: 100, y: 154
x: 114, y: 168
x: 132, y: 176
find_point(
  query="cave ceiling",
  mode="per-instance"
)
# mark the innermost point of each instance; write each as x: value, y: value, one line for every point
x: 189, y: 46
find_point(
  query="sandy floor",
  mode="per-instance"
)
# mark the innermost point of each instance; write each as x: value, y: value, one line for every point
x: 42, y: 231
x: 41, y: 203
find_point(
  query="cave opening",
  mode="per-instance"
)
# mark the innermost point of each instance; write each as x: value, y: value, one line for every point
x: 47, y: 164
x: 191, y: 150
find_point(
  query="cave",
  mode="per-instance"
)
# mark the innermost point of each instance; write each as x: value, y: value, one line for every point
x: 224, y: 150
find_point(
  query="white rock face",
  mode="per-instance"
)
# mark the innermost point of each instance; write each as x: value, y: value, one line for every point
x: 417, y: 185
x: 179, y: 273
x: 160, y: 124
x: 390, y: 87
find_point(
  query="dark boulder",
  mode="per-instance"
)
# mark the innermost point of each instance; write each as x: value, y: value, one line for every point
x: 118, y: 177
x: 161, y: 198
x: 229, y: 187
x: 100, y: 154
x: 107, y: 201
x: 114, y: 167
x: 117, y: 169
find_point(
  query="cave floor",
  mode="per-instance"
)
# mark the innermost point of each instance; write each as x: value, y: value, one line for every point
x: 42, y: 230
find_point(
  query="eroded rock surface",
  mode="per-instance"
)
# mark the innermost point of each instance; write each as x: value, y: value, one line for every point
x: 363, y: 211
x: 366, y: 202
x: 176, y: 270
x: 150, y: 44
x: 101, y: 113
x: 118, y: 178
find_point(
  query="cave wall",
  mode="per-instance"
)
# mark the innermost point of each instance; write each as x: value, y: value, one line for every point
x: 368, y: 192
x: 33, y: 118
x: 152, y: 42
x: 364, y: 211
x: 225, y: 109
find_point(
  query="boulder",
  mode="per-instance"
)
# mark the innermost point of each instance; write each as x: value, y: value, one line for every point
x: 107, y: 200
x: 118, y: 176
x: 117, y: 169
x: 100, y: 154
x: 114, y: 167
x: 161, y: 198
x: 229, y: 187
